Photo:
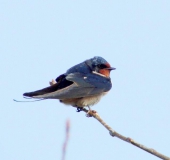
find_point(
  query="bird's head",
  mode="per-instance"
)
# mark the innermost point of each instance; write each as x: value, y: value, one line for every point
x: 100, y: 66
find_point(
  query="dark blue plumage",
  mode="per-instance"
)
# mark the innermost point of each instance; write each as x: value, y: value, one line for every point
x: 82, y: 85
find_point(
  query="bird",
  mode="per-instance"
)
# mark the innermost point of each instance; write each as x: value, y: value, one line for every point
x: 83, y: 85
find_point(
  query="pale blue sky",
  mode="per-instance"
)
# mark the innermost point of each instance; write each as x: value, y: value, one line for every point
x: 40, y: 40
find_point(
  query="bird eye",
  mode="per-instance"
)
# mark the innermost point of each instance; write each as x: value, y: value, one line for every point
x: 102, y: 66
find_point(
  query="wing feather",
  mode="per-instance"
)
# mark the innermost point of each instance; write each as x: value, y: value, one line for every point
x: 78, y: 85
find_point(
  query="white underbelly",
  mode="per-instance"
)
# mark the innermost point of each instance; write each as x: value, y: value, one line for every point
x: 84, y: 101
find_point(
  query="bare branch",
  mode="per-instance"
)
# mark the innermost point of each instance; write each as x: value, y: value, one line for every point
x: 66, y: 139
x: 91, y: 113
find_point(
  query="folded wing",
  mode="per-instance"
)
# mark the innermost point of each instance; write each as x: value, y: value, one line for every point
x: 74, y: 85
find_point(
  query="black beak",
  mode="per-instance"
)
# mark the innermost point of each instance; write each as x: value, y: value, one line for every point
x: 111, y: 68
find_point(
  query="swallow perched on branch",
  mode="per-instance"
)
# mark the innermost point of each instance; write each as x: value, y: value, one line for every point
x: 82, y: 85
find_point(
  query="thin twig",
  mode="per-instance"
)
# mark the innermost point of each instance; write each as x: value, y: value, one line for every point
x: 113, y: 133
x: 66, y: 139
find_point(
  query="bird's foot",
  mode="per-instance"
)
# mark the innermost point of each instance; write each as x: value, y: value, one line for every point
x: 79, y: 109
x: 90, y: 113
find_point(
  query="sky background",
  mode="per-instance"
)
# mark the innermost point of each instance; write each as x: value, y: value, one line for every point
x: 39, y: 40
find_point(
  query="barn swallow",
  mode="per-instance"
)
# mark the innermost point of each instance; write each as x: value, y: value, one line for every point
x: 82, y: 85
